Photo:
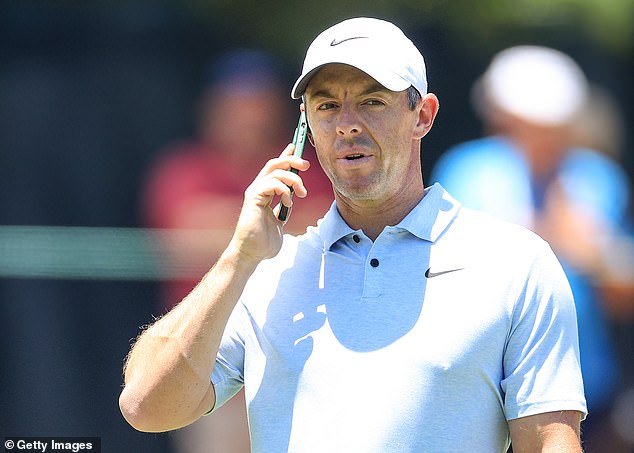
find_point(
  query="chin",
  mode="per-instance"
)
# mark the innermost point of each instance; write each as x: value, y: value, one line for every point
x: 367, y: 188
x: 360, y: 193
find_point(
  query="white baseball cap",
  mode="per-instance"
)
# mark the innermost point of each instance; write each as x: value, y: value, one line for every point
x: 539, y: 84
x: 376, y: 47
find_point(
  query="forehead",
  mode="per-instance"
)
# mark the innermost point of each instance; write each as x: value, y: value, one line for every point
x: 341, y: 76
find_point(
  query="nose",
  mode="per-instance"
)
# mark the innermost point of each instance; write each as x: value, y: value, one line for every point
x: 348, y: 122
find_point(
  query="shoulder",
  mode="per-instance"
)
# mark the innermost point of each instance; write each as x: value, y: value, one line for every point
x: 492, y: 240
x: 512, y: 257
x: 486, y: 229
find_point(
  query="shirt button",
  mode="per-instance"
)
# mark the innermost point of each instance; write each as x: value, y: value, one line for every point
x: 374, y: 262
x: 356, y: 238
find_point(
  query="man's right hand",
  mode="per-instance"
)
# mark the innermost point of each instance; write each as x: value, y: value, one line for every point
x: 258, y: 234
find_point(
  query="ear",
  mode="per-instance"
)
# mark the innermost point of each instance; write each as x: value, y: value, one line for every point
x: 427, y: 110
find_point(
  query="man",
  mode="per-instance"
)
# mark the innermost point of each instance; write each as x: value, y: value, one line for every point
x: 400, y: 323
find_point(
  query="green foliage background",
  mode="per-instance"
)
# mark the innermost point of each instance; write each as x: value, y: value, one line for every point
x: 288, y: 25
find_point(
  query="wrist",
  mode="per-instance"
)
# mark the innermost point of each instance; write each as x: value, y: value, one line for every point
x: 238, y: 257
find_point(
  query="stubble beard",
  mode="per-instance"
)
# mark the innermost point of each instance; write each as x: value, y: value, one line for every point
x: 364, y: 190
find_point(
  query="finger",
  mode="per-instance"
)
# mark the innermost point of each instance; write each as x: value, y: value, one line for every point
x: 292, y: 180
x: 278, y: 208
x: 262, y: 191
x: 286, y: 197
x: 285, y: 161
x: 288, y: 151
x: 275, y: 162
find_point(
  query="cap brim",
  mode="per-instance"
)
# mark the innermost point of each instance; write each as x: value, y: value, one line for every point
x: 388, y: 79
x: 300, y: 85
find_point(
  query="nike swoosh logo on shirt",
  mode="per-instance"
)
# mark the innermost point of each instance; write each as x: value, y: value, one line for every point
x: 336, y: 42
x: 430, y: 274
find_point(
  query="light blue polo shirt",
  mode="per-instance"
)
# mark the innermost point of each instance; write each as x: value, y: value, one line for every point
x: 427, y: 339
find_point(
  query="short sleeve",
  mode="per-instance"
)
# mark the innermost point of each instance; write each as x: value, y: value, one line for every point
x: 542, y: 370
x: 228, y: 373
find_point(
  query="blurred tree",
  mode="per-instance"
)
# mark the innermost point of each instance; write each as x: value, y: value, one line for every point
x: 280, y: 23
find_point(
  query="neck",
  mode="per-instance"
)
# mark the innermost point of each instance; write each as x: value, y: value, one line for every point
x: 372, y: 216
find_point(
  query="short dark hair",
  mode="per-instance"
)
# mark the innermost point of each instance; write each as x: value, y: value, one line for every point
x: 413, y: 96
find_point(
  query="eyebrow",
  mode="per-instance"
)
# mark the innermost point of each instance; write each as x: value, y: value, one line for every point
x: 376, y: 87
x: 373, y: 88
x: 321, y: 94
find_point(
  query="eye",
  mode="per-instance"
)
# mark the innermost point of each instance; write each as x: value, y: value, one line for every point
x: 374, y: 102
x: 327, y: 106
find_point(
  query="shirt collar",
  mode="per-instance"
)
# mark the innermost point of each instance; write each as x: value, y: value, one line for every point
x: 427, y: 220
x: 332, y: 227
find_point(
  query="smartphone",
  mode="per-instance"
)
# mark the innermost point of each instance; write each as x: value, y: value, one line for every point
x: 299, y: 139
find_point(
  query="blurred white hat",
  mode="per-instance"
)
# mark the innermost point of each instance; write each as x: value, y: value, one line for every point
x: 376, y: 47
x: 538, y: 84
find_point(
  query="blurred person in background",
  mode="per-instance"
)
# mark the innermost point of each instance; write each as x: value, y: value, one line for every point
x: 197, y: 186
x: 530, y: 169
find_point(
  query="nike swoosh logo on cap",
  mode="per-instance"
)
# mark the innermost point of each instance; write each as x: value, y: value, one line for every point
x: 430, y: 274
x: 336, y: 42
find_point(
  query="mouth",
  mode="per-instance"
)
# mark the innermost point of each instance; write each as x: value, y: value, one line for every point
x: 354, y: 156
x: 352, y: 153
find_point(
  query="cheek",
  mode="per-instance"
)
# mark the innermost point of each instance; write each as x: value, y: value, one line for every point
x: 323, y: 157
x: 322, y: 139
x: 395, y: 135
